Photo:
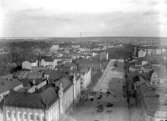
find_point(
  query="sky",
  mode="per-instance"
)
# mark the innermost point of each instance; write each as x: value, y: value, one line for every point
x: 69, y: 18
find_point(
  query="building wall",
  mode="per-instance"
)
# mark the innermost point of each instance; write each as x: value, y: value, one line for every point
x: 77, y: 89
x: 27, y: 114
x: 29, y: 65
x: 86, y: 79
x: 26, y: 65
x: 51, y: 64
x: 22, y: 114
x: 1, y: 115
x: 67, y: 98
x: 34, y: 64
x: 53, y: 113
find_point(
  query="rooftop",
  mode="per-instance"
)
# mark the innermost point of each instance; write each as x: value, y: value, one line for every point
x: 29, y: 75
x: 7, y: 83
x: 41, y: 99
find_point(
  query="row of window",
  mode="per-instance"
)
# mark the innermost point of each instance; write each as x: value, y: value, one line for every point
x: 25, y: 116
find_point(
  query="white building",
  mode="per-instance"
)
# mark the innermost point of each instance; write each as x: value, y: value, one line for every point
x: 141, y: 53
x: 49, y: 63
x: 86, y: 79
x: 29, y: 65
x: 54, y: 48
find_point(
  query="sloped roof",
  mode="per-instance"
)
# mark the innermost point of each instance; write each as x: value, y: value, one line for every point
x: 7, y: 84
x: 66, y: 83
x: 38, y: 100
x: 54, y: 75
x: 60, y: 76
x: 29, y: 75
x: 47, y: 58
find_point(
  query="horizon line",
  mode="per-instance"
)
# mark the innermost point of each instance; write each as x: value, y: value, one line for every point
x: 33, y: 37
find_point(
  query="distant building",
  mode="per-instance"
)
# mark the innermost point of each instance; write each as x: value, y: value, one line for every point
x: 86, y: 77
x: 103, y: 56
x: 29, y: 65
x: 77, y: 86
x: 50, y: 63
x: 155, y: 81
x: 26, y: 65
x: 76, y: 46
x: 54, y: 48
x: 94, y: 64
x: 141, y: 53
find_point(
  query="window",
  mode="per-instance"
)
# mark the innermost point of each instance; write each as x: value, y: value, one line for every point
x: 31, y: 117
x: 19, y: 116
x: 25, y: 116
x: 38, y: 118
x: 8, y: 114
x: 13, y: 114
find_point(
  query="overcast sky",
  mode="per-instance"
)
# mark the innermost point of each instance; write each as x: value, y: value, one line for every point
x: 63, y: 18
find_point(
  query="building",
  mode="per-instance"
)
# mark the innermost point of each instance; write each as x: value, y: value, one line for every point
x: 77, y: 87
x: 44, y: 101
x: 29, y: 65
x: 67, y: 94
x: 54, y: 48
x: 141, y: 53
x: 38, y: 106
x: 92, y: 63
x: 155, y: 81
x: 85, y: 78
x: 49, y: 63
x: 154, y: 103
x: 151, y: 92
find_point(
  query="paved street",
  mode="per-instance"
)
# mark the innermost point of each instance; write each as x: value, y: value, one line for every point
x: 108, y: 103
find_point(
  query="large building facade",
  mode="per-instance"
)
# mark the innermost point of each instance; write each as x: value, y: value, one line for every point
x: 45, y: 102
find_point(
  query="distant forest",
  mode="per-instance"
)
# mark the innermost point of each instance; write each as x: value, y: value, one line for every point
x: 20, y: 51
